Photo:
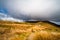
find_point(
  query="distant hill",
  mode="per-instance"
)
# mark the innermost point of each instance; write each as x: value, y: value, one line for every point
x: 43, y: 30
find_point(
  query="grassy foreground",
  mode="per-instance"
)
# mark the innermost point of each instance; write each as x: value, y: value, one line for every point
x: 28, y: 31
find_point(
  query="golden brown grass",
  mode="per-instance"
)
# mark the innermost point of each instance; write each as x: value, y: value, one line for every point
x: 43, y: 35
x: 28, y: 31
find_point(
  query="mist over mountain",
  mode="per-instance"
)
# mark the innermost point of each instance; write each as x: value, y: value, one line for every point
x: 33, y: 9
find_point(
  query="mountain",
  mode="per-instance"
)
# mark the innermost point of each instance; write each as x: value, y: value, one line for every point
x: 43, y: 30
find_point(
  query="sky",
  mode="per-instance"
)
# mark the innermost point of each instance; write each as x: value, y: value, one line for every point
x: 25, y: 10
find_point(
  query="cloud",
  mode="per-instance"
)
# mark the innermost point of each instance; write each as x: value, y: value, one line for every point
x: 5, y: 17
x: 33, y: 9
x: 8, y: 18
x: 58, y: 23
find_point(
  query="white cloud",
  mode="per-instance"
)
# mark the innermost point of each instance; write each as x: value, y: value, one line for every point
x: 2, y: 15
x: 11, y: 19
x: 33, y: 9
x: 8, y: 18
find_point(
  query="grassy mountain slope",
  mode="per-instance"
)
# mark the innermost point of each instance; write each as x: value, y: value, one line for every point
x: 29, y: 31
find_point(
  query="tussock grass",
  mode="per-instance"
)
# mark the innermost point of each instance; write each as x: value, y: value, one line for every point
x: 43, y: 35
x: 28, y: 31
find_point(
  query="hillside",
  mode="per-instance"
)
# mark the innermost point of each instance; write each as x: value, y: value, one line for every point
x: 29, y: 31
